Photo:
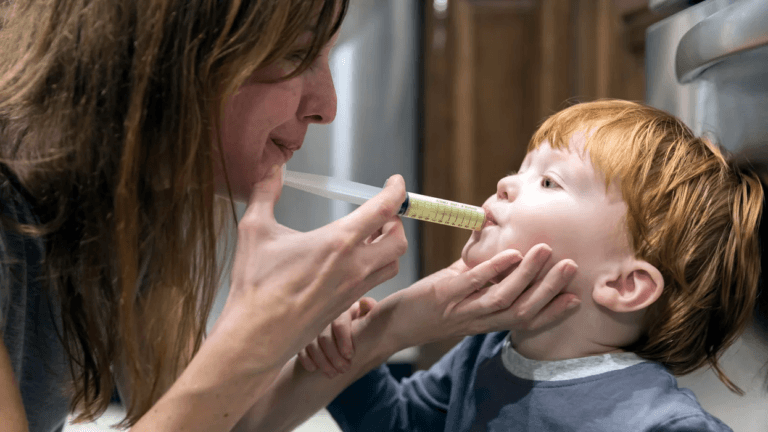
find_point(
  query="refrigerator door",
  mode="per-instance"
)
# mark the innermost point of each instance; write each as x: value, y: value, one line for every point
x: 709, y: 66
x: 375, y: 71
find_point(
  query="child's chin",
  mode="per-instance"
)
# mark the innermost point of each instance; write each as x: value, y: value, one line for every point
x: 465, y: 253
x: 471, y: 256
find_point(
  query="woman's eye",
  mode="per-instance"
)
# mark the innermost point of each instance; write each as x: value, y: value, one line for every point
x: 297, y: 57
x: 548, y: 183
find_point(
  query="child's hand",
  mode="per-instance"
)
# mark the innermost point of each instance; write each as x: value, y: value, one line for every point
x: 333, y: 349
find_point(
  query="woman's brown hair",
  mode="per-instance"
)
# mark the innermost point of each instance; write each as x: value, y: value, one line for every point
x: 690, y: 212
x: 109, y: 115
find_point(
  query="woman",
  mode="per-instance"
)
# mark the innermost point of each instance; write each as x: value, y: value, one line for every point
x: 120, y: 125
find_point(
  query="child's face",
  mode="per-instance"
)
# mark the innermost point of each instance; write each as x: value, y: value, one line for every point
x: 557, y: 198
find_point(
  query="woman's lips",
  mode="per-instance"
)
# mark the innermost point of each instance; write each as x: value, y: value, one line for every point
x: 287, y: 152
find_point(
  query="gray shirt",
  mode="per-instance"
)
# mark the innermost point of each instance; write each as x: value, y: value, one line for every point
x: 27, y: 317
x: 483, y: 385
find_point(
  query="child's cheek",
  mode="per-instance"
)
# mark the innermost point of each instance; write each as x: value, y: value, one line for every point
x: 467, y: 246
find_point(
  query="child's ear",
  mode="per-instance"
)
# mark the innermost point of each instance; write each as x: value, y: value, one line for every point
x: 633, y: 285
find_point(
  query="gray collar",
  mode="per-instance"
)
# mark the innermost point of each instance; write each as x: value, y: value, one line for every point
x: 560, y: 370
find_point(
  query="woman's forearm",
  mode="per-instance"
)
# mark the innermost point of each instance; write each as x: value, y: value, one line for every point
x: 219, y: 385
x: 295, y: 396
x: 298, y: 394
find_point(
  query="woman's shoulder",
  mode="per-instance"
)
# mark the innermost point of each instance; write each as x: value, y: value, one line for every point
x: 16, y: 203
x: 19, y: 253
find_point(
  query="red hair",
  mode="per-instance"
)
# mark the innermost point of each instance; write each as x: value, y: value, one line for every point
x: 690, y: 213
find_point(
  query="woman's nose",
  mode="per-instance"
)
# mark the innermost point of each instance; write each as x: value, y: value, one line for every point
x: 506, y: 188
x: 318, y: 101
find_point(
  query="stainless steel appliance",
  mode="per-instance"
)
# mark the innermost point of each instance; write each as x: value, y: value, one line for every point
x: 708, y: 64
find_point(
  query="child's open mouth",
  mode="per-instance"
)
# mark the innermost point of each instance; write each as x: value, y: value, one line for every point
x: 489, y: 219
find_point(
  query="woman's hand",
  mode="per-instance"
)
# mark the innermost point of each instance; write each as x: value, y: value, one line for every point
x: 459, y: 301
x: 286, y: 286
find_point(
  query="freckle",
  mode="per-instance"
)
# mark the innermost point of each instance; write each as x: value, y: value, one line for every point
x: 226, y: 414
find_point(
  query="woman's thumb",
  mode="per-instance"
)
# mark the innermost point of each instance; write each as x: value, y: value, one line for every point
x: 266, y: 192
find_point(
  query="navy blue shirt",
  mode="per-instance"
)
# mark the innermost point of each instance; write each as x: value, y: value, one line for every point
x: 471, y: 389
x: 28, y: 318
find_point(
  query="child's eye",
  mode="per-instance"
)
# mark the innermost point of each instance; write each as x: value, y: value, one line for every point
x: 548, y: 183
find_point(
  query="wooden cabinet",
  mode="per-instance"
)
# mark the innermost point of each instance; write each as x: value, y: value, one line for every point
x: 493, y: 70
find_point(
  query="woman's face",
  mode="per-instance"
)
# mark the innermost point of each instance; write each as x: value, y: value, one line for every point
x: 264, y: 123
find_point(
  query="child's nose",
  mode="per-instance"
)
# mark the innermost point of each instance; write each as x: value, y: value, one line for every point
x: 506, y: 188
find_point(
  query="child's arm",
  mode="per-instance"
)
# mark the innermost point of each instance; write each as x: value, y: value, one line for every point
x: 332, y: 350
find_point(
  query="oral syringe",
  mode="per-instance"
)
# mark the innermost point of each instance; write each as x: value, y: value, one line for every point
x: 416, y: 206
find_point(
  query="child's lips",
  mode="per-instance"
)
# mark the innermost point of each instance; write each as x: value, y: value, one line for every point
x: 490, y: 220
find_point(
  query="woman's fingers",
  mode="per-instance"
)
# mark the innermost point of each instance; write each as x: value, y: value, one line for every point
x: 378, y: 277
x: 553, y: 310
x: 529, y: 306
x: 519, y: 301
x: 381, y: 256
x: 505, y: 293
x: 476, y: 278
x: 373, y: 214
x: 375, y: 236
x: 449, y: 303
x: 458, y: 266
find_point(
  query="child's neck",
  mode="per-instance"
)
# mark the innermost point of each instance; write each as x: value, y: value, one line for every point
x: 570, y: 339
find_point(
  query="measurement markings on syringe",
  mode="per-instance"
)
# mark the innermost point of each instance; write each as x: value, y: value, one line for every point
x: 444, y: 212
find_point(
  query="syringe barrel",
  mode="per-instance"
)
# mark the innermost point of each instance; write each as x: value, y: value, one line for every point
x: 442, y: 211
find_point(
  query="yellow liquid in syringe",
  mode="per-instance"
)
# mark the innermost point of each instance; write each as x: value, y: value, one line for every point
x: 444, y: 212
x: 416, y: 206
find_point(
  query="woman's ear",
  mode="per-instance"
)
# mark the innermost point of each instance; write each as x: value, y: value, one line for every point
x: 632, y: 286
